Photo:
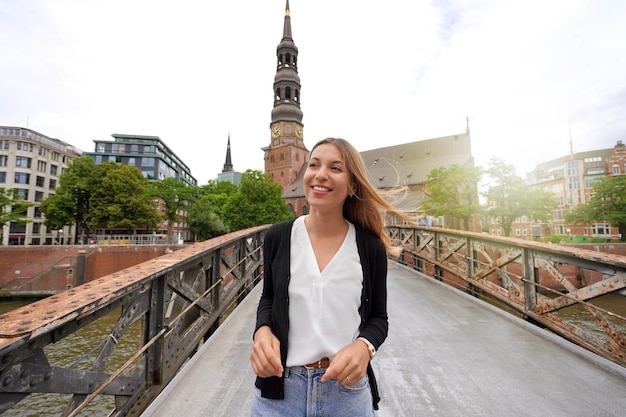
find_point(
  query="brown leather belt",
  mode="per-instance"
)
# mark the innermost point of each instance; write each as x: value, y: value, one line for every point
x: 322, y: 363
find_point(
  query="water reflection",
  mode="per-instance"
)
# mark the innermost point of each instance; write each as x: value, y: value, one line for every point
x: 84, y: 344
x: 580, y: 317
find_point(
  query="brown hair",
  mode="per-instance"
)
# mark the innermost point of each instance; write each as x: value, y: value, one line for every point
x: 364, y: 207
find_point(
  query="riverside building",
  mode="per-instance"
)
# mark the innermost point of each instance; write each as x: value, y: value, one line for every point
x: 31, y: 164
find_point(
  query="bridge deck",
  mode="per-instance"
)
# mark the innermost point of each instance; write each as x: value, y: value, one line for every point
x: 447, y: 354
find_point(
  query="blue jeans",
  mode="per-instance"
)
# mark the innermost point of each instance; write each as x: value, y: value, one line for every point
x: 307, y: 396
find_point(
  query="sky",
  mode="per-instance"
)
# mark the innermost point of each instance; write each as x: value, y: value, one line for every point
x: 535, y: 78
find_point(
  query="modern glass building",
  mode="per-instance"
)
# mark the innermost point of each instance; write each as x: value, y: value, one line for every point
x: 148, y: 153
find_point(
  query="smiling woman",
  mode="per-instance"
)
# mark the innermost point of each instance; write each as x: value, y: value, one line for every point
x: 329, y: 264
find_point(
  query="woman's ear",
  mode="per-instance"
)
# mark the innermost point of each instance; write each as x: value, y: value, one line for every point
x: 352, y: 189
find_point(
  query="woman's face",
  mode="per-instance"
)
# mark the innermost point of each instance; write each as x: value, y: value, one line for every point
x: 326, y: 179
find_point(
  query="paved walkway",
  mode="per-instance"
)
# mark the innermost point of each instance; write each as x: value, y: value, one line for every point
x: 447, y: 354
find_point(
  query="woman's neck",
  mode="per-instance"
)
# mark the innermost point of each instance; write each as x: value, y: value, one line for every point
x: 325, y: 225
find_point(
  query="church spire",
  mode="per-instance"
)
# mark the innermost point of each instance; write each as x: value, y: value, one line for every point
x: 287, y: 81
x: 286, y: 154
x: 228, y: 165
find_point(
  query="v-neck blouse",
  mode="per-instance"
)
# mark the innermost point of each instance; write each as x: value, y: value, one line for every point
x: 324, y: 305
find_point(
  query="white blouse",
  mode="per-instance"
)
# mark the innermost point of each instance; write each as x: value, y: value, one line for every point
x: 323, y: 306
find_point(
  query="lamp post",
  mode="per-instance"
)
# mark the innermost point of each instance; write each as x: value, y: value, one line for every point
x: 59, y: 235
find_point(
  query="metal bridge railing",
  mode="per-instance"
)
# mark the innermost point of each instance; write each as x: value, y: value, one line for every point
x: 167, y: 306
x: 562, y: 288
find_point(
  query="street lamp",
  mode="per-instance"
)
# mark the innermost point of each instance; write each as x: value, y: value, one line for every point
x: 59, y: 234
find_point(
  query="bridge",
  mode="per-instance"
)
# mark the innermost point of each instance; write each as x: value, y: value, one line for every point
x: 478, y: 327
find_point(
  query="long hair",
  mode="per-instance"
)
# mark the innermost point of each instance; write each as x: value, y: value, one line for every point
x: 366, y: 205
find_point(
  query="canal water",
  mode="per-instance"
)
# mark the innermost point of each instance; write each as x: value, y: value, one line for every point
x: 84, y: 344
x: 66, y: 351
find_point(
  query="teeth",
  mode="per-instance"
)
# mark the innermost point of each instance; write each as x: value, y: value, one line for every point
x: 317, y: 188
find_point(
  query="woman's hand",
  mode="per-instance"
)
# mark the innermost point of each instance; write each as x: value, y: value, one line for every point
x: 265, y: 356
x: 349, y: 364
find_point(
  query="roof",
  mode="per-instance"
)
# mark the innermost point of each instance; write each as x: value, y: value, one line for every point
x: 410, y: 163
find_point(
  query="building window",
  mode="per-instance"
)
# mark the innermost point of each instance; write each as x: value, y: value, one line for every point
x: 53, y: 184
x: 38, y: 195
x: 22, y: 178
x: 596, y: 171
x: 53, y: 169
x: 601, y: 229
x: 22, y: 162
x: 21, y: 193
x: 40, y: 181
x: 615, y: 169
x: 24, y: 146
x: 3, y: 177
x: 16, y: 227
x: 572, y: 168
x: 37, y: 213
x: 573, y: 183
x: 558, y: 214
x: 3, y: 160
x: 36, y: 228
x: 41, y: 166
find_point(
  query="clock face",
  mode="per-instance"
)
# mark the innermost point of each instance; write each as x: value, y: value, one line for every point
x: 276, y: 130
x: 299, y: 132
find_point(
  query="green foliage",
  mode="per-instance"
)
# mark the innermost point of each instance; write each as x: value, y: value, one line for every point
x: 258, y: 200
x: 120, y: 199
x: 70, y: 202
x: 205, y: 223
x: 453, y: 192
x: 509, y: 197
x: 607, y: 204
x: 176, y: 197
x: 12, y: 208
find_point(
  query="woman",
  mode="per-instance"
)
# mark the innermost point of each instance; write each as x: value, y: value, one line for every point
x: 323, y: 310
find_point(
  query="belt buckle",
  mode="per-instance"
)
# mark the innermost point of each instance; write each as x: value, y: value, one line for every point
x: 314, y: 365
x: 317, y: 364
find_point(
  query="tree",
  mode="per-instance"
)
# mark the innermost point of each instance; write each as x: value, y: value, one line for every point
x: 217, y: 194
x: 12, y: 209
x: 607, y: 204
x: 205, y: 214
x: 258, y: 201
x: 508, y: 197
x: 204, y: 222
x: 120, y: 199
x: 176, y: 197
x: 452, y: 191
x: 70, y: 202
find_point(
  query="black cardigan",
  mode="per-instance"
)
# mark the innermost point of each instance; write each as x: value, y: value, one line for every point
x: 273, y: 310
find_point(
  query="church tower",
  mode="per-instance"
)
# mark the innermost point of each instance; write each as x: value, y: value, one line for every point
x: 286, y: 154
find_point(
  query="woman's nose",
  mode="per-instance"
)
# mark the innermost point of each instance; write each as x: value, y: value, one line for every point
x: 322, y: 173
